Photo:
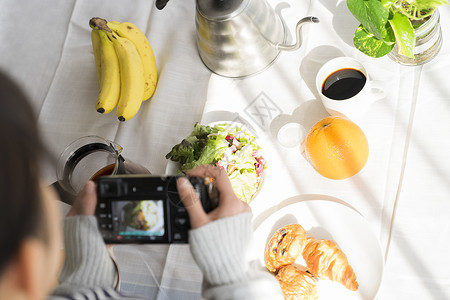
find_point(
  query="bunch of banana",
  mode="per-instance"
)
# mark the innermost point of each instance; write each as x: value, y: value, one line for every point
x: 126, y: 67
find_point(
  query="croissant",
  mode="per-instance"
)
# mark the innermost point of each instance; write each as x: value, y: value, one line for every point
x: 296, y: 284
x: 326, y: 261
x: 284, y: 246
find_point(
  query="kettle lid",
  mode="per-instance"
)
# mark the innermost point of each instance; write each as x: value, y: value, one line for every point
x: 220, y: 9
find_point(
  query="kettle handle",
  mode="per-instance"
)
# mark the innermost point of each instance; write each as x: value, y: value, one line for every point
x: 298, y: 30
x: 160, y: 4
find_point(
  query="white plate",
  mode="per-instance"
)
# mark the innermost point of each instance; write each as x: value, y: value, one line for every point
x: 330, y: 220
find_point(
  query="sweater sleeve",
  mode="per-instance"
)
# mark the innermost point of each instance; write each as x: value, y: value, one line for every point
x: 87, y: 263
x: 220, y: 250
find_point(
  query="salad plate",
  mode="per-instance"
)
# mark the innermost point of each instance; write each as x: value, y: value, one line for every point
x: 228, y: 145
x: 323, y: 219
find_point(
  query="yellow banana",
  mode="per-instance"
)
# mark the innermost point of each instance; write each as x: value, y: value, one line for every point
x: 130, y: 31
x: 131, y: 77
x: 113, y: 22
x: 110, y: 74
x: 96, y: 47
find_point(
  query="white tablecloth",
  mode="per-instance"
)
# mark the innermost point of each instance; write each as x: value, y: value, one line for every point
x: 403, y: 191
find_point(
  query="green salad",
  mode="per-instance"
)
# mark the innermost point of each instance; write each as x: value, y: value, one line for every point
x: 225, y: 146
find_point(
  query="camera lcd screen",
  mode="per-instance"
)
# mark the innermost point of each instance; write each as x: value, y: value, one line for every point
x: 142, y: 218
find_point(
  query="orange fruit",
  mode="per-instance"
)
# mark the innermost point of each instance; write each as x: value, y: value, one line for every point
x: 337, y: 148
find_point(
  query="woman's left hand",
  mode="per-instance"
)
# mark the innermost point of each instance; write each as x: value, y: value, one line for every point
x: 85, y: 202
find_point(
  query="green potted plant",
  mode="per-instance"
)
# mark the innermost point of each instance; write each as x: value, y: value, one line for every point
x: 397, y: 27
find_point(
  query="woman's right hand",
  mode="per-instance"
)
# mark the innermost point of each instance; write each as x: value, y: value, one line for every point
x: 229, y: 203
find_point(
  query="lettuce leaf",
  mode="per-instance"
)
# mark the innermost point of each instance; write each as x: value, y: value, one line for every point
x: 209, y: 154
x: 243, y: 183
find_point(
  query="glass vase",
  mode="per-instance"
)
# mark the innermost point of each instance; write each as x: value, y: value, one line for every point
x: 427, y: 45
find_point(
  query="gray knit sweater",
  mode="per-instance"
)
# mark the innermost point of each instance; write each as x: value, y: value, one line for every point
x: 218, y: 248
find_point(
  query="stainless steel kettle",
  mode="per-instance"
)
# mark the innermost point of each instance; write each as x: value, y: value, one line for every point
x: 239, y: 38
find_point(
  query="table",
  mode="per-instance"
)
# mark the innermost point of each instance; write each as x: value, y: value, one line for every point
x: 403, y: 191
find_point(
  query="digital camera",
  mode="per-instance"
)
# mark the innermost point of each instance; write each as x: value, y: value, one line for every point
x: 147, y: 208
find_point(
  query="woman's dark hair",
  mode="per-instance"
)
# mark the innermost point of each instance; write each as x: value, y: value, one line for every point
x: 21, y: 151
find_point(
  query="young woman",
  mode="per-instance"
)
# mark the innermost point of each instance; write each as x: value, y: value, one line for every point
x: 31, y: 237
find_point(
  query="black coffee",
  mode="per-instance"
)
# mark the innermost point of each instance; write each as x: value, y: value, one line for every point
x: 343, y: 84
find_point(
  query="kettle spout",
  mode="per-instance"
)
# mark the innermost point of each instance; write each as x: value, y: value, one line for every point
x: 298, y: 30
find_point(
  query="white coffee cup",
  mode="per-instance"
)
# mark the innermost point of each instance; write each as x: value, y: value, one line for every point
x: 357, y: 101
